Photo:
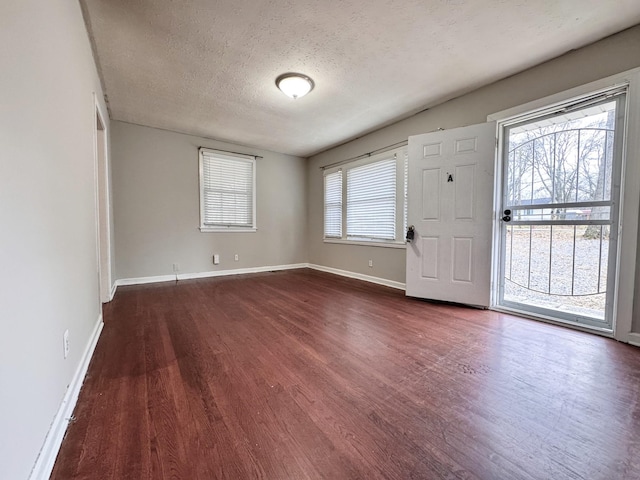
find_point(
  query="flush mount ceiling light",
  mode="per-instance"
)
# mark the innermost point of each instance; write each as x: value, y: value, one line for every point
x: 294, y: 85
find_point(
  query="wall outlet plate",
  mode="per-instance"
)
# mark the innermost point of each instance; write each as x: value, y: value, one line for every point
x: 236, y: 257
x: 216, y: 259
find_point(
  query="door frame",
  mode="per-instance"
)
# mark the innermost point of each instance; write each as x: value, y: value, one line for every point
x: 102, y: 201
x: 629, y: 194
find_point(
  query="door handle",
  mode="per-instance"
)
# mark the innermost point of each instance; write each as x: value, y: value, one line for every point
x: 411, y: 232
x: 507, y: 215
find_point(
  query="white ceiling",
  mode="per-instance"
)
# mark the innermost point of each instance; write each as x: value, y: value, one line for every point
x: 208, y: 67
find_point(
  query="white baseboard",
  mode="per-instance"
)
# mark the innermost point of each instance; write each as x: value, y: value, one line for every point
x: 143, y: 280
x: 114, y: 287
x: 271, y: 268
x: 47, y: 457
x: 360, y: 276
x: 240, y: 271
x: 214, y: 273
x: 634, y: 339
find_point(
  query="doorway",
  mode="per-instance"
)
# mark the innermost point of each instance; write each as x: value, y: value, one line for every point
x: 559, y: 205
x: 103, y: 234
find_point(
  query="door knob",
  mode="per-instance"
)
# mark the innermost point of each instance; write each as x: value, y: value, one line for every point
x: 411, y: 232
x: 506, y: 218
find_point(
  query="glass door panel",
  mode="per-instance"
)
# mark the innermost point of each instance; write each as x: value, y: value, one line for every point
x: 560, y: 204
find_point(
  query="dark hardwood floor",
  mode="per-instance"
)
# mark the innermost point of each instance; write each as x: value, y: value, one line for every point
x: 306, y: 375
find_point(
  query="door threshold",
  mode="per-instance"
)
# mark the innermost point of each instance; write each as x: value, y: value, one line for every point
x: 602, y: 331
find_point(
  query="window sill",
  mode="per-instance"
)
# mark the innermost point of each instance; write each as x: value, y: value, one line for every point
x: 366, y: 243
x: 227, y: 230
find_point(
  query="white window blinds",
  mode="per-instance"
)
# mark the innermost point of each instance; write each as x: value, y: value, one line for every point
x: 227, y: 190
x: 371, y: 201
x: 333, y: 205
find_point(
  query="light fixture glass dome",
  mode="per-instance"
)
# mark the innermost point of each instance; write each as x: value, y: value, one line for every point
x: 294, y: 85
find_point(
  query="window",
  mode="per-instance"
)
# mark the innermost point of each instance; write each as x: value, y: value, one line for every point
x: 227, y: 192
x: 364, y: 200
x: 333, y: 205
x: 371, y: 201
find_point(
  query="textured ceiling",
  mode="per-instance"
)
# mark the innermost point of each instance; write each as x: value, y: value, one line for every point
x: 207, y: 67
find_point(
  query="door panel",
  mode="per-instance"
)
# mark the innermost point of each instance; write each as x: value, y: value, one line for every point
x: 431, y: 194
x: 450, y: 198
x: 430, y: 257
x: 432, y: 149
x: 466, y: 145
x: 464, y: 192
x: 462, y: 259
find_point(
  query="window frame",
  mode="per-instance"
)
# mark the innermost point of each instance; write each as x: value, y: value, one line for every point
x: 230, y: 156
x: 401, y: 158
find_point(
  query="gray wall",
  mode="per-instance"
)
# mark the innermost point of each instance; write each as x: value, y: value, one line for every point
x: 613, y: 55
x: 156, y: 207
x: 47, y: 217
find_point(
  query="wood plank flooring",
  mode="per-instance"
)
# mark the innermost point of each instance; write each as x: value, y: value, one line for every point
x: 306, y: 375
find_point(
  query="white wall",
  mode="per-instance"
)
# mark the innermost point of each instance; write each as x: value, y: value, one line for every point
x: 47, y: 217
x: 612, y: 55
x: 157, y: 213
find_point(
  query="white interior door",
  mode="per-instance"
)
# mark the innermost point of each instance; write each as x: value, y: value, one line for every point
x: 450, y: 205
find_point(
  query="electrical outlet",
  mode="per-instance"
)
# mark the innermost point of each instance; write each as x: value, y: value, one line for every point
x: 236, y: 257
x: 216, y: 259
x: 65, y: 342
x: 176, y: 267
x: 371, y: 263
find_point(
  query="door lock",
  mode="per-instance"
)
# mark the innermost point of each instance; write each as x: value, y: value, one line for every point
x: 411, y: 232
x: 507, y: 215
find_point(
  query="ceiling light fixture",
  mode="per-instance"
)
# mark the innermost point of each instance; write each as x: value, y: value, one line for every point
x: 294, y: 85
